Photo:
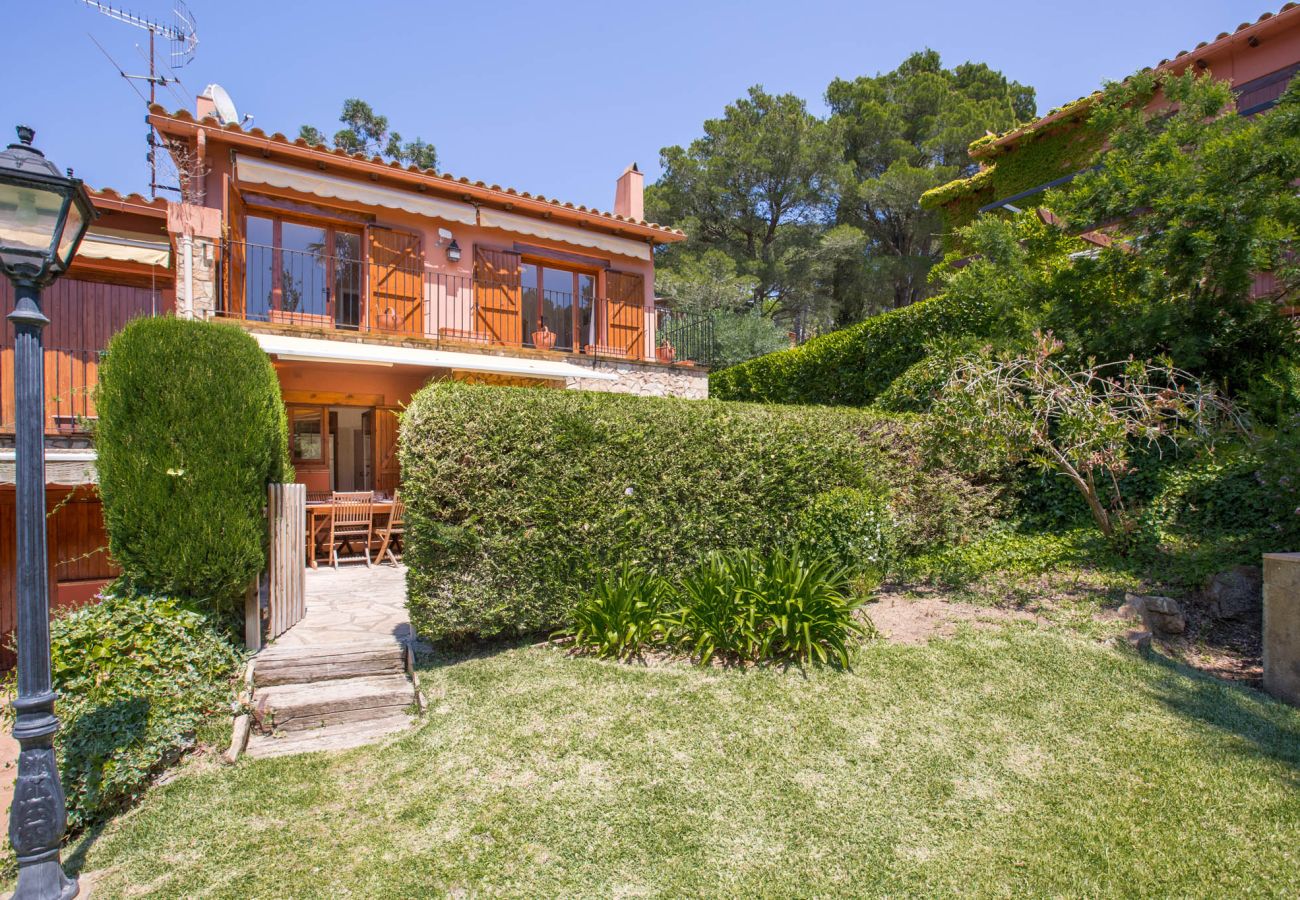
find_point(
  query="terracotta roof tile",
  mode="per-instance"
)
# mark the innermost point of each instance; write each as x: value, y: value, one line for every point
x: 278, y: 138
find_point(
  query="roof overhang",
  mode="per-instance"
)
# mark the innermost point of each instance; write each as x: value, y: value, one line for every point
x: 183, y: 125
x: 290, y: 347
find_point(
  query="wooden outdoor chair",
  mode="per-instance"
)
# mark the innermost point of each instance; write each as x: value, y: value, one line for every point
x: 352, y: 524
x: 352, y: 497
x: 394, y: 528
x: 319, y: 496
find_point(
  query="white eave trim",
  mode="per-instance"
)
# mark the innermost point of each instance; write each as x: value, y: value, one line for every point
x: 251, y: 170
x: 54, y: 455
x: 288, y: 347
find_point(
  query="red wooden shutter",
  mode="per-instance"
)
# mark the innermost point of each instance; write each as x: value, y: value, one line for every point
x: 396, y: 262
x: 497, y: 296
x: 626, y: 321
x: 236, y: 286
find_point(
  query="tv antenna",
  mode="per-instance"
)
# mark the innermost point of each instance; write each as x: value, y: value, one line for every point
x: 183, y: 40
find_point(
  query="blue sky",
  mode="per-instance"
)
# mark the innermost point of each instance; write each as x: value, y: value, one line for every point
x: 554, y: 98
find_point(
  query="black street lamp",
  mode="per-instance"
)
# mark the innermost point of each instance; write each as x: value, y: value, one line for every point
x: 43, y: 216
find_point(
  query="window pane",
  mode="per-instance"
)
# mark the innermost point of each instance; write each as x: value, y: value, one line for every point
x: 306, y: 435
x: 259, y: 257
x: 347, y: 279
x: 557, y: 305
x: 528, y: 300
x: 303, y: 267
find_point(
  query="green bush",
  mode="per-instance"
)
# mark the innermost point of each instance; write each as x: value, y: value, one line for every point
x: 855, y: 529
x: 622, y: 616
x: 782, y: 606
x: 191, y: 430
x: 136, y: 677
x: 517, y: 499
x: 853, y: 366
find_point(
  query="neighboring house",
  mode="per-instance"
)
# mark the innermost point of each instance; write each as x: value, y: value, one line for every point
x: 1016, y: 168
x: 363, y: 280
x: 122, y: 270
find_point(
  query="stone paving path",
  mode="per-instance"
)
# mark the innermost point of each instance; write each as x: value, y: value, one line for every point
x: 349, y: 604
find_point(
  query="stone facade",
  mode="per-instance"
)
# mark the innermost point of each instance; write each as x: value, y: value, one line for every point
x: 195, y: 230
x: 644, y: 379
x: 203, y: 297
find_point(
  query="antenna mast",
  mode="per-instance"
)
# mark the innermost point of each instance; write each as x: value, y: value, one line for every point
x: 184, y: 40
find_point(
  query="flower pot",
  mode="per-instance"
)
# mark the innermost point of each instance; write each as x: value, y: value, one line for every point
x: 665, y: 353
x: 544, y: 338
x: 388, y: 320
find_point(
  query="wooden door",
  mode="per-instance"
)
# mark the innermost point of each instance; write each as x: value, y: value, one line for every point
x: 396, y: 266
x: 388, y: 466
x: 625, y: 330
x: 497, y: 297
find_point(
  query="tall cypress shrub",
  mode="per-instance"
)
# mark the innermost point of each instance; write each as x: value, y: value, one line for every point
x: 191, y: 430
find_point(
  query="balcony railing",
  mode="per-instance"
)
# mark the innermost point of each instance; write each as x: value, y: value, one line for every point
x: 310, y: 289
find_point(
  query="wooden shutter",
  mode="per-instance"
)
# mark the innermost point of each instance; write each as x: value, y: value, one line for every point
x: 626, y: 318
x: 396, y: 264
x: 237, y: 254
x: 388, y: 466
x: 497, y: 296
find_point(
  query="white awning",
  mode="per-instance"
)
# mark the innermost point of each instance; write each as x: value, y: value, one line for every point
x: 319, y: 350
x: 125, y: 246
x: 250, y: 170
x: 566, y: 234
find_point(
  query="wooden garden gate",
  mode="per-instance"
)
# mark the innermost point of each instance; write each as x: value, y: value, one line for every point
x: 286, y: 567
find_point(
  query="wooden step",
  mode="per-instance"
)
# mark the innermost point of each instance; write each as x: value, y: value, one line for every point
x: 301, y: 665
x: 299, y: 706
x: 331, y: 737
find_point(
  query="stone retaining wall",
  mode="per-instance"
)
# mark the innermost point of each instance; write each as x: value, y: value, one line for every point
x: 643, y: 379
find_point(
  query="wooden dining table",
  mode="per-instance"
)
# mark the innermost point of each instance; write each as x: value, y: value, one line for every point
x: 318, y: 520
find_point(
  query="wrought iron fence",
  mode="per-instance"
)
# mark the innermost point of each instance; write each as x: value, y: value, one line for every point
x: 684, y: 337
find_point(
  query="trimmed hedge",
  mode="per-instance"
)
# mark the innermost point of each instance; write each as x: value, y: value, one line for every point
x: 854, y: 365
x: 191, y: 430
x: 518, y: 499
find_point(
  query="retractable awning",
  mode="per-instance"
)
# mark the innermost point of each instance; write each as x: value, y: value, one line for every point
x: 566, y: 234
x: 250, y: 171
x: 320, y: 350
x: 125, y: 246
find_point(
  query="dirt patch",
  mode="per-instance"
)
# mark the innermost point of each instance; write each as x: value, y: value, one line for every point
x: 907, y: 619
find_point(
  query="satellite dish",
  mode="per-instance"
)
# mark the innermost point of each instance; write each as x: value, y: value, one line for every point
x: 225, y: 107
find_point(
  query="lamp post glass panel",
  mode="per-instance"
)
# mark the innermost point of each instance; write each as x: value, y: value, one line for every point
x: 43, y: 216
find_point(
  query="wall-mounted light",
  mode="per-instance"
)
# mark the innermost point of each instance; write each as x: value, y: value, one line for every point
x: 453, y: 251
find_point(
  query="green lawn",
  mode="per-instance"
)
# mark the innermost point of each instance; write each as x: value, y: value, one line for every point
x: 1011, y: 762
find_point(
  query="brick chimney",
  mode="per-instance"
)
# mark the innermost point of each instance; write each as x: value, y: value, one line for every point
x: 203, y: 106
x: 629, y: 195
